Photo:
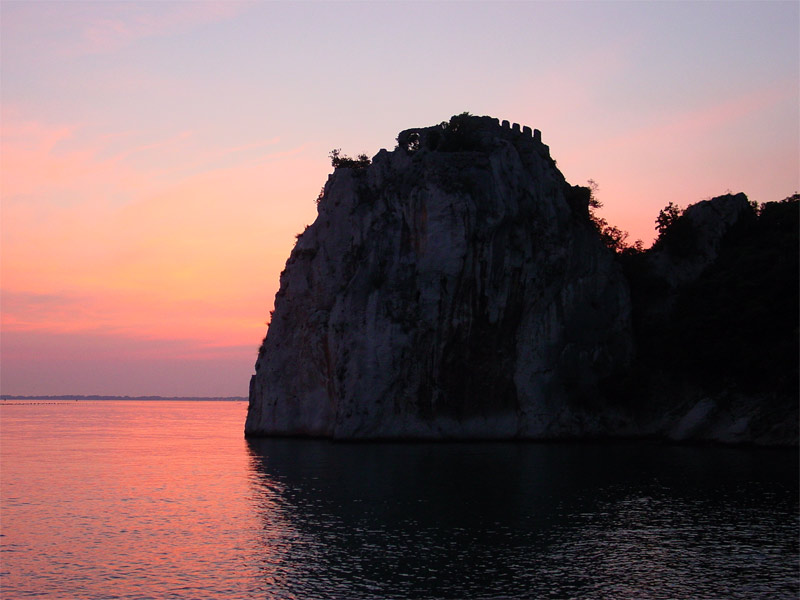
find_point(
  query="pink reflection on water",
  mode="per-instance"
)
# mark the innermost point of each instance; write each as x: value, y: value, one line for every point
x: 123, y: 499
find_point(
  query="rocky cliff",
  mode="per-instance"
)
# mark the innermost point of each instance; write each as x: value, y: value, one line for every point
x: 453, y: 288
x: 715, y: 315
x: 456, y: 288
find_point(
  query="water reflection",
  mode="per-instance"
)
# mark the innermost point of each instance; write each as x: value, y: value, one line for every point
x: 524, y: 520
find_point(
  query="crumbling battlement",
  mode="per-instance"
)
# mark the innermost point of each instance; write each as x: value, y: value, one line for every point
x: 526, y: 133
x: 469, y: 133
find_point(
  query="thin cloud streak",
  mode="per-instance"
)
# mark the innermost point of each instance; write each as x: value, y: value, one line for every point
x: 702, y: 121
x: 174, y: 261
x: 92, y: 28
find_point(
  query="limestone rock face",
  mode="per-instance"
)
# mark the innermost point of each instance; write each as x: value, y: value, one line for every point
x: 453, y: 288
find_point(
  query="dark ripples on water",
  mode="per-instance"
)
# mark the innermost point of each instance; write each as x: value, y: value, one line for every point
x: 528, y: 521
x: 166, y: 500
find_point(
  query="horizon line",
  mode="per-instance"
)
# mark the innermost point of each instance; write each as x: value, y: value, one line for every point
x: 113, y: 397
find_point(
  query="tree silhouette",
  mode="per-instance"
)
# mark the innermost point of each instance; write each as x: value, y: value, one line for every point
x: 667, y: 217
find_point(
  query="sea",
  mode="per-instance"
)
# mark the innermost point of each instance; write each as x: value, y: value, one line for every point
x: 167, y: 499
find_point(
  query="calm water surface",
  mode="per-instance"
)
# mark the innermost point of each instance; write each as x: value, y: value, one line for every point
x: 113, y: 499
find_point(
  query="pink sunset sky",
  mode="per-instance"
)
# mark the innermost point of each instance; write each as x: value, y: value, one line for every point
x: 158, y: 158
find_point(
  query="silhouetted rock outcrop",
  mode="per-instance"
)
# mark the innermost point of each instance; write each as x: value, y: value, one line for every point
x: 693, y: 242
x: 454, y: 288
x: 716, y: 321
x: 457, y: 288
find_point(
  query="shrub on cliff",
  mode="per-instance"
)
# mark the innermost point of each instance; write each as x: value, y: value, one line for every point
x: 667, y: 217
x: 339, y: 160
x: 612, y: 236
x: 675, y: 232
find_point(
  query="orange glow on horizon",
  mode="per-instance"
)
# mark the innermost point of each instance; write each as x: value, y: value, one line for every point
x: 111, y: 249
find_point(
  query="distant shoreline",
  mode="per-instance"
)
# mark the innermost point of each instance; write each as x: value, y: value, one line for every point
x: 98, y: 397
